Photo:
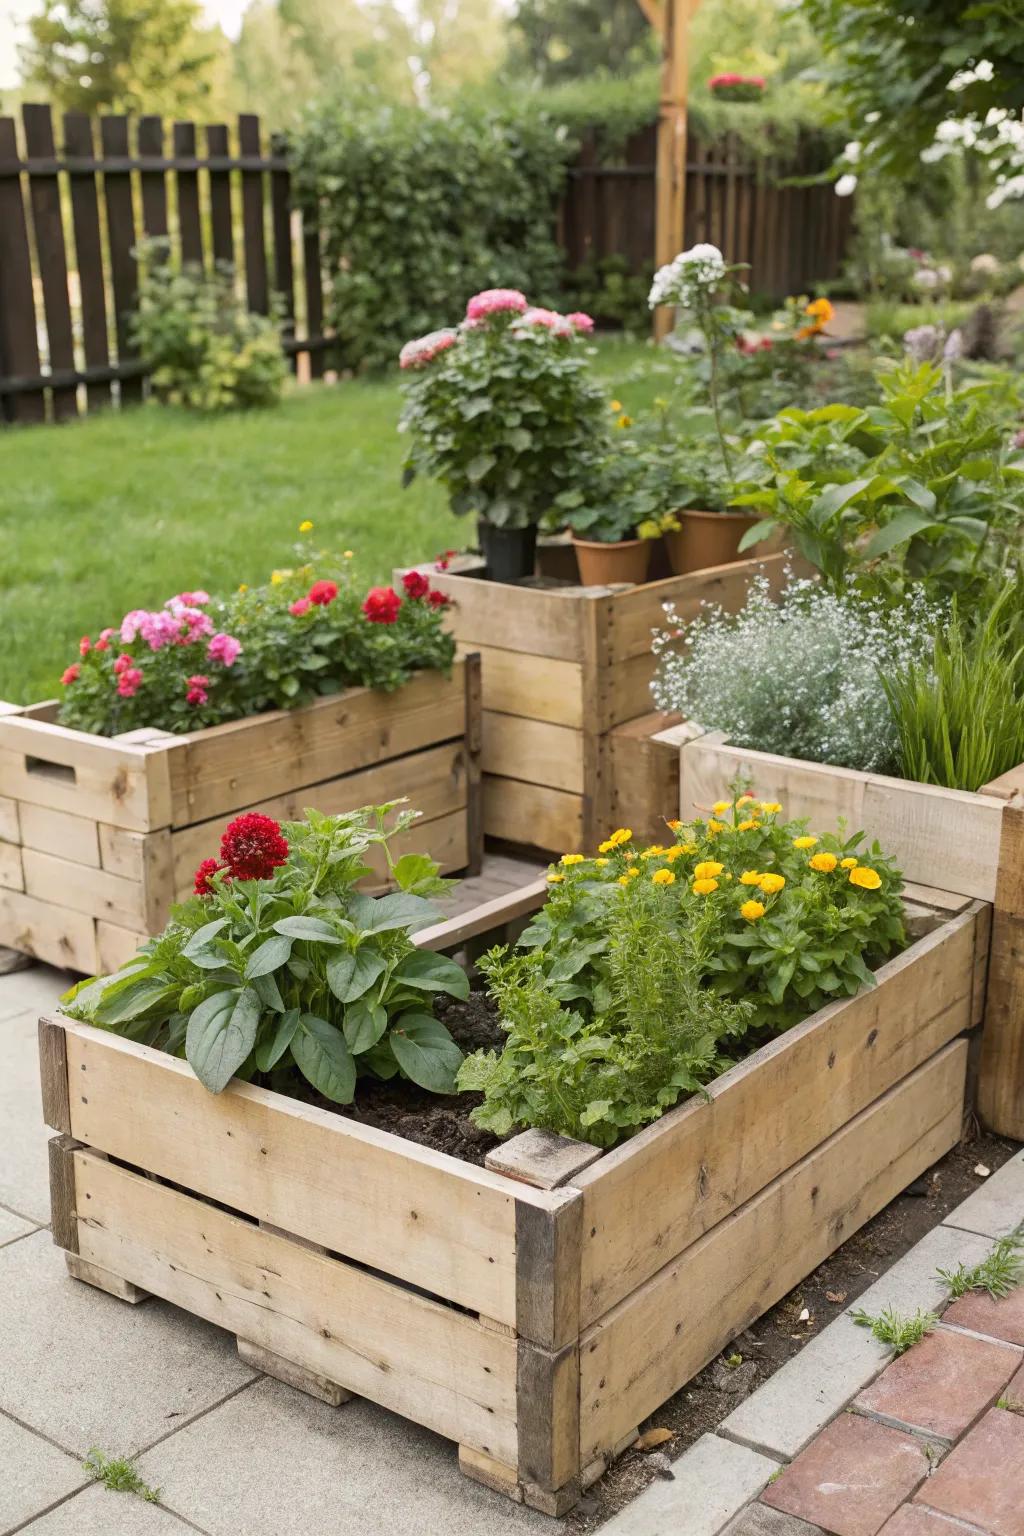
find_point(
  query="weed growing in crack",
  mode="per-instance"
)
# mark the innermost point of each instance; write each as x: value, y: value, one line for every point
x: 899, y: 1332
x: 1000, y: 1272
x: 118, y: 1473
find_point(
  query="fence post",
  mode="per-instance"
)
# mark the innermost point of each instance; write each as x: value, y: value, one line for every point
x: 117, y: 194
x: 18, y: 346
x: 253, y: 233
x: 51, y: 259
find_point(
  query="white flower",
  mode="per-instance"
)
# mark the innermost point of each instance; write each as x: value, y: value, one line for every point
x: 846, y: 186
x: 698, y: 270
x: 984, y: 70
x: 851, y: 154
x: 927, y: 279
x: 953, y: 351
x: 985, y: 263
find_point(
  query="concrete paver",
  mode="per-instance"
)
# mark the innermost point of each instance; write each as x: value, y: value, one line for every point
x: 98, y: 1512
x: 12, y: 1227
x: 713, y: 1480
x: 997, y: 1206
x: 24, y: 1170
x: 34, y: 1474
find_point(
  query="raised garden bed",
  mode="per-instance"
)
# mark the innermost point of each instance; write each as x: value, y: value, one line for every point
x: 536, y: 1310
x: 564, y: 667
x: 99, y: 835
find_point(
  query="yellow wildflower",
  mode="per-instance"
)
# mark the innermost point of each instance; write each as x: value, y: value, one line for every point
x: 750, y: 877
x: 771, y: 884
x: 708, y: 870
x: 804, y: 842
x: 867, y: 879
x: 704, y: 887
x: 752, y: 910
x: 305, y: 526
x: 277, y: 577
x: 615, y: 405
x: 663, y: 877
x: 744, y: 800
x: 849, y: 863
x: 648, y: 529
x: 771, y: 807
x: 571, y: 858
x: 687, y: 847
x: 748, y: 826
x: 714, y: 827
x: 601, y: 863
x: 653, y: 852
x: 673, y: 826
x: 349, y: 554
x: 624, y: 421
x: 244, y: 587
x: 677, y: 852
x: 721, y: 806
x: 824, y: 863
x: 554, y: 879
x: 624, y: 879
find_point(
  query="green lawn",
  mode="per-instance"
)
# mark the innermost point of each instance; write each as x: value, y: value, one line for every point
x: 122, y: 510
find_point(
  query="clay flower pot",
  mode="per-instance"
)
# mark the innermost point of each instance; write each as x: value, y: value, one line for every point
x: 608, y: 565
x: 708, y: 538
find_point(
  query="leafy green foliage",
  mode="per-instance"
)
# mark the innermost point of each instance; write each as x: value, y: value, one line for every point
x: 901, y: 1332
x: 299, y: 971
x: 564, y: 39
x: 644, y: 969
x: 119, y: 1474
x: 998, y: 1273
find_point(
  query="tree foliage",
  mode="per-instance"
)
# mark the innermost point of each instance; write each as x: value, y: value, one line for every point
x: 572, y: 39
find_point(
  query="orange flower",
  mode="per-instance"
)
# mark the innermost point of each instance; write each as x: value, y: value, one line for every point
x: 867, y: 879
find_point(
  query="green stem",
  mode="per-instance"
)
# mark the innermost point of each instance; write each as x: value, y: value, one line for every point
x: 715, y: 403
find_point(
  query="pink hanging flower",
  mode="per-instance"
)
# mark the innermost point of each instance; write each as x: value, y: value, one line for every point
x: 225, y: 649
x: 418, y: 353
x: 197, y: 693
x: 70, y: 674
x: 581, y: 322
x: 300, y: 606
x: 129, y: 682
x: 495, y: 301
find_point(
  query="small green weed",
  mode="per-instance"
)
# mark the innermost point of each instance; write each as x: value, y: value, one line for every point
x: 1000, y: 1272
x: 1011, y: 1404
x: 118, y: 1473
x: 900, y: 1333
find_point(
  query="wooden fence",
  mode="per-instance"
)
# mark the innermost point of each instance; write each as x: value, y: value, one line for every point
x: 65, y: 303
x: 791, y: 236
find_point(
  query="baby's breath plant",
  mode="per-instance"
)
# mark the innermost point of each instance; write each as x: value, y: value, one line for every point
x: 799, y: 675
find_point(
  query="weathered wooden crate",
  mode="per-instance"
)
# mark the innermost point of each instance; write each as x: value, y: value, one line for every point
x: 563, y: 667
x: 537, y: 1310
x: 972, y: 844
x: 98, y: 835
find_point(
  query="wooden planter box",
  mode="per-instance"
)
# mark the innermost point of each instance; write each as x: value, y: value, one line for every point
x: 99, y: 835
x: 972, y: 844
x: 537, y: 1310
x: 564, y: 669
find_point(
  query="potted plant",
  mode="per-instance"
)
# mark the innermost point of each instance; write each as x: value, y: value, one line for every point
x: 501, y: 411
x: 735, y: 87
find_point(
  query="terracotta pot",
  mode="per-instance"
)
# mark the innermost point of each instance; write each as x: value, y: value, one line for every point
x: 608, y: 565
x: 709, y: 538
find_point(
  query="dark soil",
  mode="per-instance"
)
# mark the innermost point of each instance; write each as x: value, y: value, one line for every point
x: 776, y: 1337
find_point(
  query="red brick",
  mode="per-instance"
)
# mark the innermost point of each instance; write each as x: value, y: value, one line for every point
x: 1015, y: 1391
x: 851, y: 1478
x: 943, y: 1383
x: 999, y: 1319
x: 982, y: 1478
x: 915, y: 1520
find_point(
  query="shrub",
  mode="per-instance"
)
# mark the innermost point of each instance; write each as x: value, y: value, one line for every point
x: 203, y: 347
x: 646, y: 966
x: 278, y: 967
x: 801, y: 676
x: 201, y: 660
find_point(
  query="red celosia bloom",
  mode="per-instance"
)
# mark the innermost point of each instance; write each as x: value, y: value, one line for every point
x: 206, y: 870
x: 252, y: 846
x: 71, y: 674
x: 439, y: 599
x: 323, y: 592
x: 416, y: 584
x: 84, y: 646
x: 382, y: 605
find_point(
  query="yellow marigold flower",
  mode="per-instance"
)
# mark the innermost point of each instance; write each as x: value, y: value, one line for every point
x: 615, y: 405
x: 771, y: 884
x: 867, y: 879
x: 349, y: 554
x: 653, y: 852
x: 714, y: 827
x: 623, y: 880
x: 554, y: 879
x: 663, y: 877
x: 771, y: 807
x: 748, y: 826
x: 624, y: 421
x: 849, y: 863
x: 621, y: 835
x: 601, y: 863
x: 687, y: 847
x: 648, y: 529
x: 278, y: 576
x: 305, y: 526
x: 708, y: 870
x: 721, y: 806
x: 824, y: 863
x: 752, y: 910
x: 244, y: 587
x: 673, y: 826
x: 804, y: 842
x: 744, y: 800
x: 571, y: 858
x: 677, y: 852
x: 751, y: 877
x: 704, y: 887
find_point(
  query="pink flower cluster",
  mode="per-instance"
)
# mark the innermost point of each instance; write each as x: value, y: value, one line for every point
x: 181, y: 621
x: 417, y: 354
x: 495, y: 301
x: 722, y: 82
x: 559, y: 325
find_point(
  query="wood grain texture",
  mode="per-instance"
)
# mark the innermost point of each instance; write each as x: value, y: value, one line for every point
x: 58, y: 832
x: 63, y: 1198
x: 1001, y: 1068
x: 533, y: 750
x: 548, y: 1391
x: 70, y: 771
x: 53, y: 1076
x: 536, y: 687
x: 94, y: 892
x: 548, y: 1245
x: 55, y: 934
x: 541, y: 1158
x: 104, y: 1280
x: 532, y: 814
x: 644, y: 777
x: 297, y: 1376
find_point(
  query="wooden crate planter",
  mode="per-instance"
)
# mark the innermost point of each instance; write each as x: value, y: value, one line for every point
x: 537, y: 1310
x: 972, y: 844
x: 98, y: 835
x: 563, y: 667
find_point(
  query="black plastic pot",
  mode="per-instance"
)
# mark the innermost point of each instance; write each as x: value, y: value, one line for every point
x: 509, y: 553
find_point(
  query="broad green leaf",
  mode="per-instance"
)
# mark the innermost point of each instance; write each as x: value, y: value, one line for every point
x: 131, y: 1002
x: 426, y: 1052
x: 903, y: 526
x: 835, y: 497
x: 401, y: 910
x: 324, y: 1059
x: 414, y: 869
x: 313, y: 929
x: 762, y: 530
x: 202, y: 936
x: 269, y: 992
x: 365, y: 1022
x: 380, y: 1060
x: 350, y: 975
x: 432, y: 973
x: 271, y: 953
x: 276, y: 1040
x: 220, y: 1035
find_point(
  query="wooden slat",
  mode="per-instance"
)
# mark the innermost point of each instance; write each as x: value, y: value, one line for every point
x: 115, y: 946
x: 10, y: 822
x: 1001, y: 1072
x: 651, y: 1198
x: 85, y: 775
x: 418, y: 1358
x: 533, y: 750
x: 12, y: 875
x: 75, y: 838
x: 532, y: 815
x: 660, y: 1336
x: 190, y: 230
x: 152, y: 183
x: 253, y: 233
x: 312, y: 281
x: 78, y: 144
x: 521, y: 619
x: 221, y: 220
x: 121, y: 237
x: 637, y: 612
x: 92, y: 891
x: 284, y: 267
x: 55, y: 934
x: 536, y: 687
x: 53, y: 1076
x: 483, y: 919
x: 399, y: 1207
x: 51, y: 259
x: 19, y: 350
x: 644, y: 777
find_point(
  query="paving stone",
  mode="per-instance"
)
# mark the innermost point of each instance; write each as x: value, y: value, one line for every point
x: 786, y: 1413
x: 24, y: 1167
x: 982, y: 1478
x: 98, y: 1512
x: 759, y: 1520
x: 88, y: 1370
x: 713, y: 1480
x: 273, y: 1462
x: 997, y: 1206
x: 943, y: 1383
x: 35, y: 1473
x: 1015, y: 1391
x: 916, y: 1520
x: 851, y: 1478
x: 37, y: 990
x: 983, y: 1314
x: 12, y: 1227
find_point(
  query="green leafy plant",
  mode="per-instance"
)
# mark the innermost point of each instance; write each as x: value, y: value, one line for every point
x: 998, y: 1273
x: 204, y: 349
x: 280, y: 966
x: 901, y: 1332
x: 119, y: 1474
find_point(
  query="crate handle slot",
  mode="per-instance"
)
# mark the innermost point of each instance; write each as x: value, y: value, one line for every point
x: 64, y: 773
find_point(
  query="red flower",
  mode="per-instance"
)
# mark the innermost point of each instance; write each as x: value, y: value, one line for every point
x: 122, y: 663
x: 129, y: 682
x: 439, y: 599
x: 84, y: 646
x: 102, y: 645
x: 207, y: 869
x: 71, y: 674
x: 416, y: 584
x: 197, y: 687
x: 323, y: 592
x: 252, y: 846
x: 382, y: 605
x: 444, y: 561
x: 300, y: 606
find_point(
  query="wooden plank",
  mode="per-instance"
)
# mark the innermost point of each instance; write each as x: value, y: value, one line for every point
x: 253, y: 233
x: 48, y: 229
x: 660, y: 1336
x: 297, y: 1376
x: 1007, y: 785
x: 538, y: 687
x: 115, y: 946
x: 312, y: 282
x: 10, y: 821
x: 418, y: 1358
x: 152, y: 183
x: 1001, y: 1069
x: 221, y: 218
x: 638, y: 611
x: 532, y: 815
x: 483, y: 919
x: 474, y: 764
x: 82, y: 889
x: 190, y: 228
x: 629, y: 689
x: 84, y: 775
x: 19, y: 349
x: 548, y: 1242
x: 53, y: 1076
x: 281, y: 223
x: 644, y: 777
x: 52, y: 933
x: 59, y: 832
x: 542, y: 1159
x: 121, y: 237
x: 548, y: 1391
x: 445, y: 839
x: 122, y: 852
x: 533, y: 750
x: 85, y: 219
x: 12, y: 875
x: 522, y: 619
x: 399, y: 1207
x: 63, y: 1199
x: 104, y: 1280
x: 652, y: 1197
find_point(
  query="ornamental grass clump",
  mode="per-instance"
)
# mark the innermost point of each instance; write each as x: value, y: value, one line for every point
x: 801, y: 675
x: 280, y: 971
x: 650, y: 970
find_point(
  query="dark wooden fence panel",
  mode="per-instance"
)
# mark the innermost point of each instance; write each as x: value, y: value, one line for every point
x: 68, y: 278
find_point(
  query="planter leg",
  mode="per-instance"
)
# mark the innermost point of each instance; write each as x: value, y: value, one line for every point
x: 297, y: 1376
x: 104, y: 1280
x: 503, y: 1479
